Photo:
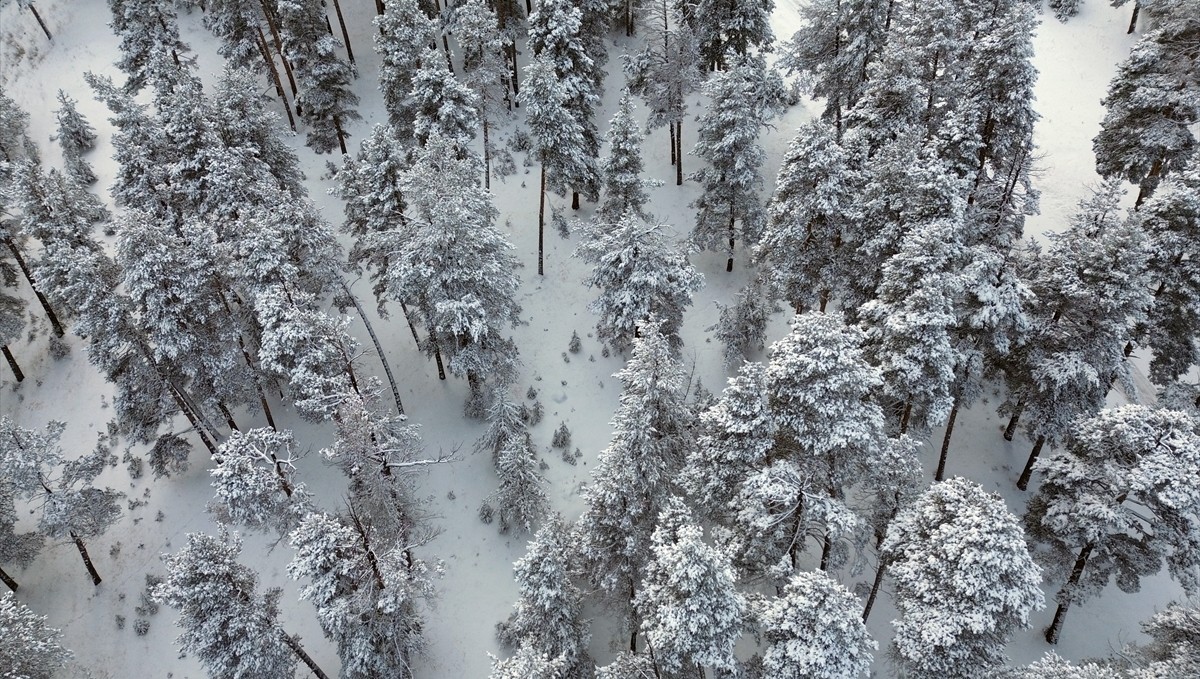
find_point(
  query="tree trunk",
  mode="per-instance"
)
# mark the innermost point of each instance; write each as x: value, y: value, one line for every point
x: 51, y: 37
x: 379, y: 8
x: 12, y: 363
x: 679, y: 152
x: 879, y: 572
x: 1146, y: 187
x: 516, y: 84
x: 437, y: 356
x: 20, y: 259
x: 270, y: 61
x: 1137, y: 8
x: 274, y: 28
x: 191, y: 417
x: 7, y: 579
x: 1064, y: 603
x: 732, y: 244
x: 87, y: 560
x: 387, y: 368
x: 574, y: 200
x: 228, y: 418
x: 826, y: 549
x: 541, y: 221
x: 1026, y: 473
x: 1012, y: 421
x: 487, y: 157
x: 337, y: 125
x: 304, y: 657
x: 941, y: 468
x: 337, y: 7
x: 449, y: 59
x: 412, y: 328
x: 671, y: 127
x: 905, y: 415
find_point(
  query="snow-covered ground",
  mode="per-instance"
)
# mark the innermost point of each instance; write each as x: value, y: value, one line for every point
x: 1075, y: 60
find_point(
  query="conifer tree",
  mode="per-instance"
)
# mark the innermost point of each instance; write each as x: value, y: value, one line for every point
x: 149, y: 32
x: 443, y: 104
x: 963, y: 581
x: 484, y: 48
x: 624, y: 188
x: 527, y: 663
x: 232, y: 629
x: 557, y: 38
x: 31, y: 649
x: 813, y: 629
x: 1134, y: 468
x: 255, y: 482
x: 405, y: 33
x: 15, y: 548
x: 1152, y: 102
x: 742, y: 327
x: 667, y: 71
x: 520, y: 500
x: 68, y: 504
x: 631, y: 482
x: 728, y: 27
x: 548, y: 619
x: 691, y: 611
x: 366, y: 586
x: 744, y: 98
x: 76, y: 137
x: 640, y: 275
x: 325, y: 100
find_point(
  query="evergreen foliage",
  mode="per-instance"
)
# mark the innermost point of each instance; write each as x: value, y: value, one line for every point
x: 31, y: 650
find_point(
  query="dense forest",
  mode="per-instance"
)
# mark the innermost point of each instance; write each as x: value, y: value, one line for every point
x: 269, y: 226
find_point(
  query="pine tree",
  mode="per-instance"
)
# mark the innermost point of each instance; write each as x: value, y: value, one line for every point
x: 31, y: 650
x: 813, y: 629
x: 15, y: 548
x: 628, y: 666
x: 742, y: 327
x: 255, y: 482
x: 548, y: 619
x: 909, y: 325
x: 1065, y: 9
x: 405, y: 33
x: 667, y: 71
x: 624, y: 188
x: 963, y: 581
x: 691, y: 611
x: 630, y: 484
x: 809, y: 219
x: 366, y: 586
x: 452, y: 265
x: 1134, y: 468
x: 727, y: 27
x: 149, y: 32
x: 243, y: 124
x: 1175, y: 634
x: 325, y: 100
x: 520, y: 500
x: 744, y: 98
x: 443, y: 104
x: 558, y: 137
x: 76, y: 137
x: 484, y: 49
x: 894, y: 481
x: 527, y: 664
x: 558, y: 39
x: 640, y: 275
x: 68, y: 504
x: 1152, y: 102
x: 232, y: 629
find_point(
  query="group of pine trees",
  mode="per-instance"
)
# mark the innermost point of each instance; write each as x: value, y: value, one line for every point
x: 894, y: 232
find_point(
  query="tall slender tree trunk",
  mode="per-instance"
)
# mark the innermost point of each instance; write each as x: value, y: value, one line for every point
x: 1146, y: 188
x: 87, y: 560
x: 574, y: 200
x: 12, y: 363
x: 337, y: 8
x: 449, y: 57
x: 671, y: 127
x: 941, y: 468
x: 337, y: 125
x: 679, y: 152
x: 905, y: 415
x: 542, y: 221
x: 1137, y: 8
x: 437, y: 356
x: 270, y: 61
x: 826, y: 550
x: 516, y: 78
x: 20, y: 259
x: 880, y: 570
x: 7, y: 580
x: 1060, y: 614
x: 1023, y: 482
x: 273, y: 26
x: 412, y: 328
x: 387, y: 368
x: 379, y: 8
x: 45, y: 30
x: 192, y: 419
x: 487, y: 157
x: 233, y: 426
x: 304, y: 657
x: 1011, y: 429
x: 732, y: 242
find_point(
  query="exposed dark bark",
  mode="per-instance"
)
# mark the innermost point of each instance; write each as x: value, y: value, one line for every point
x: 905, y: 415
x: 732, y: 242
x: 826, y: 550
x: 379, y: 8
x: 270, y: 61
x: 412, y: 328
x: 387, y: 368
x: 228, y: 418
x: 12, y: 363
x: 879, y: 573
x: 7, y: 579
x: 487, y: 157
x: 304, y: 657
x: 678, y: 153
x: 20, y: 259
x: 574, y: 200
x: 191, y: 417
x: 941, y: 468
x: 437, y: 356
x: 273, y: 26
x: 1064, y: 603
x: 1011, y: 429
x: 337, y: 125
x: 1137, y: 8
x: 45, y: 30
x: 1026, y: 473
x: 337, y: 8
x: 87, y: 560
x: 671, y: 127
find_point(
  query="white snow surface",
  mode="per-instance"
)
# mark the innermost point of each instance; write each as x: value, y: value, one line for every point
x: 1075, y: 61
